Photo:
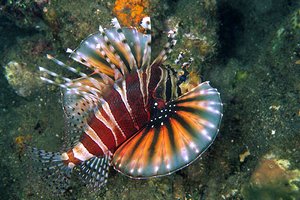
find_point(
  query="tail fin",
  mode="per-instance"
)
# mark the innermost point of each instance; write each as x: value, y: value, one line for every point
x: 55, y: 172
x: 92, y: 172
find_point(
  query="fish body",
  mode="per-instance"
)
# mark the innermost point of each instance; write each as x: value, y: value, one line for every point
x: 129, y: 112
x: 120, y: 115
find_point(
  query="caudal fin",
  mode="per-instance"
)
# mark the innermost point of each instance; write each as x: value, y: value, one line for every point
x: 54, y: 171
x: 92, y: 172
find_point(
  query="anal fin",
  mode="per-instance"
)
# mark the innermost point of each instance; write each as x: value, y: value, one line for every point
x: 94, y: 172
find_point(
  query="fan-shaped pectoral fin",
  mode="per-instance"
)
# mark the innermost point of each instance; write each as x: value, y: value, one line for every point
x: 179, y: 137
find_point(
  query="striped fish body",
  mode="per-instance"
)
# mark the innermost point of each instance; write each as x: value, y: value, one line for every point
x: 120, y: 115
x: 126, y: 107
x: 129, y: 113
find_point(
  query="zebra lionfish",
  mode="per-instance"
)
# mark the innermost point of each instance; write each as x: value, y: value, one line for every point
x: 129, y: 112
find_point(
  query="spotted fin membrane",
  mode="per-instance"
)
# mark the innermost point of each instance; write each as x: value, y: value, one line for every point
x: 54, y: 172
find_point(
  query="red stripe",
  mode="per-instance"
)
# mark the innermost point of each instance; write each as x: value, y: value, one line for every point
x: 144, y: 80
x: 120, y: 113
x: 136, y: 101
x: 114, y: 127
x: 90, y: 145
x: 103, y: 132
x: 154, y: 79
x: 72, y: 158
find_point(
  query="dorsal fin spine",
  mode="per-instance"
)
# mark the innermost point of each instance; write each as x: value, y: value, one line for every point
x: 133, y: 63
x: 112, y: 50
x: 51, y: 73
x: 167, y: 48
x: 60, y: 63
x: 146, y: 24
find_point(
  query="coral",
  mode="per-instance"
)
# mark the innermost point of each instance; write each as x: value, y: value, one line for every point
x: 130, y: 13
x: 295, y: 20
x: 20, y: 142
x: 244, y: 155
x: 204, y: 47
x: 192, y: 81
x: 39, y: 48
x: 273, y: 178
x: 51, y: 18
x: 210, y: 4
x: 241, y: 75
x: 21, y: 79
x: 24, y: 13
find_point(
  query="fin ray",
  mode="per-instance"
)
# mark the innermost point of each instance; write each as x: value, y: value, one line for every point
x: 94, y: 172
x: 55, y: 172
x: 125, y: 49
x: 184, y: 130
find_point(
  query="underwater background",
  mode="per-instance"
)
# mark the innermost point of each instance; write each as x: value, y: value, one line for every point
x: 249, y: 50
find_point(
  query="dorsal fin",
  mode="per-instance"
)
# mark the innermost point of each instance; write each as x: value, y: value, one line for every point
x: 124, y: 49
x: 162, y: 56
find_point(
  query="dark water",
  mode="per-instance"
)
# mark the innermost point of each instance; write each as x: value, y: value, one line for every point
x: 249, y: 50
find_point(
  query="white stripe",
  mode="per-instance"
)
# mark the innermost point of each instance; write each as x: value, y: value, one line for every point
x: 93, y: 135
x: 148, y: 74
x: 137, y: 47
x: 173, y: 86
x: 71, y: 165
x: 64, y: 156
x: 116, y: 56
x: 206, y: 134
x: 78, y: 56
x: 132, y: 61
x: 162, y: 82
x: 106, y: 108
x: 146, y: 23
x: 147, y: 52
x: 120, y: 37
x: 100, y: 117
x: 142, y: 87
x: 123, y: 94
x: 115, y: 22
x: 81, y: 153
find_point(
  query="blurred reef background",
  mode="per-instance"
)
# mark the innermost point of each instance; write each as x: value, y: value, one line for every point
x: 249, y: 50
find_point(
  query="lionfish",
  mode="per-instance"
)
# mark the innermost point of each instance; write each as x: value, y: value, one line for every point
x: 129, y: 112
